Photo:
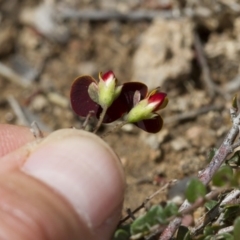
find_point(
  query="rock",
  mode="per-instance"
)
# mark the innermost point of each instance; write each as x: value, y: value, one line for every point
x: 179, y: 144
x: 127, y: 128
x: 177, y: 192
x: 88, y: 67
x: 154, y: 140
x: 164, y: 52
x: 7, y: 37
x: 150, y: 140
x: 162, y: 135
x: 199, y: 136
x: 39, y: 103
x: 43, y: 18
x: 225, y: 44
x: 58, y: 99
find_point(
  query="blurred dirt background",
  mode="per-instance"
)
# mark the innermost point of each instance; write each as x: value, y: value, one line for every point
x: 190, y: 48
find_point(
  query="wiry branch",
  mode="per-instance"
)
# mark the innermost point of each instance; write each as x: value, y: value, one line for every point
x: 206, y: 175
x: 131, y: 213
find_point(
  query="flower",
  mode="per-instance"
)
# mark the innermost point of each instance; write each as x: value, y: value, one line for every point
x: 142, y: 107
x: 106, y: 91
x: 130, y: 100
x: 89, y: 96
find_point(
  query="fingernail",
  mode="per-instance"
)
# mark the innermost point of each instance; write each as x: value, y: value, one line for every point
x: 83, y: 169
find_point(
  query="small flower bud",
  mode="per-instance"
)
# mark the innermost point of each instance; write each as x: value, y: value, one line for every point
x: 107, y: 90
x: 146, y: 108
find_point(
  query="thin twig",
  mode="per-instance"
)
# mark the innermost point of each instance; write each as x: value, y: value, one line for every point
x: 191, y: 114
x: 231, y: 198
x: 225, y: 230
x: 17, y: 109
x: 85, y: 123
x: 100, y: 120
x: 211, y: 88
x: 102, y: 15
x: 233, y: 85
x: 166, y: 186
x: 35, y: 129
x: 10, y: 75
x: 133, y: 15
x: 115, y: 128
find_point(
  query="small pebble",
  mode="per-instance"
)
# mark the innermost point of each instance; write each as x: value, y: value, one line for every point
x: 179, y: 144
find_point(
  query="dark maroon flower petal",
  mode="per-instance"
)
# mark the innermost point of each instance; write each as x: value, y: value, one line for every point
x: 81, y: 102
x: 115, y: 111
x: 124, y: 102
x: 152, y: 125
x: 128, y: 91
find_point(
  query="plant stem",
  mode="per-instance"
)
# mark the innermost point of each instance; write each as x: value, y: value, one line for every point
x: 99, y: 123
x: 116, y: 127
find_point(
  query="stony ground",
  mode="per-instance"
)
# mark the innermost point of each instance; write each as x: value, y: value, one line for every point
x: 192, y: 51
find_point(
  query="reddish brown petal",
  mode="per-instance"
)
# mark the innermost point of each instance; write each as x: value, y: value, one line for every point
x: 128, y: 91
x: 125, y: 100
x: 152, y: 125
x: 115, y: 111
x: 81, y: 103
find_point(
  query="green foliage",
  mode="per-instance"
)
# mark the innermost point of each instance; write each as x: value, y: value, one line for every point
x: 236, y: 231
x: 156, y: 215
x: 230, y: 213
x: 235, y: 102
x: 210, y: 204
x: 211, y: 154
x: 222, y: 176
x: 183, y: 233
x: 225, y: 236
x: 208, y: 230
x: 121, y: 234
x: 234, y: 161
x: 195, y: 189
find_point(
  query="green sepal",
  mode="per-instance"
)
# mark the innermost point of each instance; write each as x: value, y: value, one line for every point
x: 107, y: 93
x: 93, y: 92
x: 140, y: 112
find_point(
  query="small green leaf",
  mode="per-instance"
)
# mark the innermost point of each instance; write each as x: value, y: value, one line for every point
x: 231, y: 212
x: 156, y: 215
x: 121, y: 234
x: 208, y: 237
x: 222, y: 176
x: 236, y: 231
x: 183, y: 233
x: 143, y: 223
x: 170, y: 209
x: 210, y: 204
x: 208, y: 230
x: 211, y: 154
x: 195, y: 189
x: 235, y: 102
x: 226, y: 236
x: 235, y: 159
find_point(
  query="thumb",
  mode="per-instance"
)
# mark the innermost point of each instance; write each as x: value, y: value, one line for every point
x: 70, y: 186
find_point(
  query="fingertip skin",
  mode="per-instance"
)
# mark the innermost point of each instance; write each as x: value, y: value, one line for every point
x: 12, y: 137
x: 69, y: 185
x: 30, y: 210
